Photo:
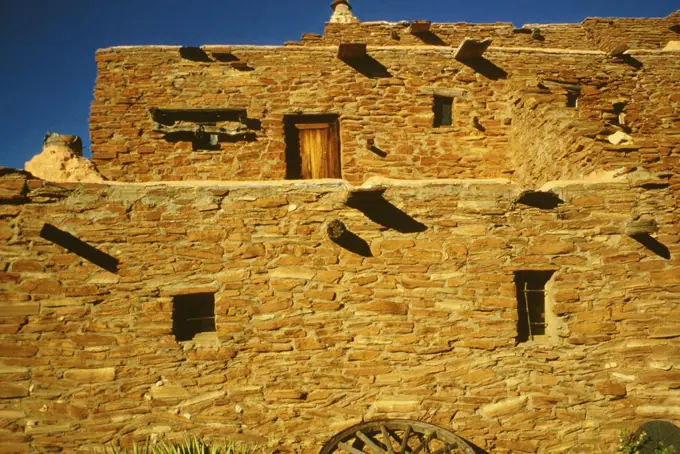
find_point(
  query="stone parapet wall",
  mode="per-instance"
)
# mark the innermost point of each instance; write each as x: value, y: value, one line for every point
x: 395, y: 112
x: 637, y: 33
x: 311, y: 337
x: 567, y: 36
x: 550, y: 142
x: 591, y: 34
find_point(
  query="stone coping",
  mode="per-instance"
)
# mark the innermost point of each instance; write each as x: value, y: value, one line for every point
x: 343, y: 185
x: 417, y: 49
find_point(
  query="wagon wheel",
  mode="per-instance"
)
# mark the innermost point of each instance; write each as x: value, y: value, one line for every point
x: 396, y: 436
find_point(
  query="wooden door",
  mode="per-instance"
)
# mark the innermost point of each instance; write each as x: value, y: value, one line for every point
x: 319, y: 150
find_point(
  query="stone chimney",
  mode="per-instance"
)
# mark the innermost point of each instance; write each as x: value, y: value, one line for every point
x: 342, y: 13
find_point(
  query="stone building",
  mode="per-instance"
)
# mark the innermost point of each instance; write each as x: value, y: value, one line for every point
x: 476, y: 226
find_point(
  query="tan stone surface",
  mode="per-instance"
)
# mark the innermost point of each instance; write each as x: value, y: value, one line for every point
x: 672, y: 45
x: 59, y: 164
x: 522, y: 131
x: 425, y: 329
x: 312, y: 337
x: 505, y: 407
x: 104, y: 374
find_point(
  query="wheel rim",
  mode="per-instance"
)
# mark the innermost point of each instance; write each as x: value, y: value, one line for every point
x: 396, y: 436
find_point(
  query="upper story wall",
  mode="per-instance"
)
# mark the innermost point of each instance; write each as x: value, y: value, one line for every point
x: 384, y: 106
x: 591, y: 34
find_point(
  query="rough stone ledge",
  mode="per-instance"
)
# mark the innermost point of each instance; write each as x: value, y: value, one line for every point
x: 420, y: 49
x: 652, y: 52
x: 615, y: 177
x: 373, y: 182
x: 374, y: 48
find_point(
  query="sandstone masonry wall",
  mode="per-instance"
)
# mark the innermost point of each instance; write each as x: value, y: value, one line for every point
x: 550, y: 142
x: 591, y: 34
x: 640, y: 34
x: 311, y: 337
x: 396, y: 111
x: 567, y: 36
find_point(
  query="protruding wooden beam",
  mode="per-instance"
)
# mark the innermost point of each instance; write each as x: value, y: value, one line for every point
x: 336, y: 229
x: 420, y: 26
x: 365, y: 192
x: 471, y: 49
x: 672, y: 45
x: 352, y: 50
x: 171, y: 116
x: 641, y: 227
x: 619, y: 50
x: 240, y: 65
x: 222, y: 54
x: 218, y: 49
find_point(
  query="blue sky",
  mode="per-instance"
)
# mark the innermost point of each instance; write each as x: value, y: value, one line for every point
x: 47, y: 47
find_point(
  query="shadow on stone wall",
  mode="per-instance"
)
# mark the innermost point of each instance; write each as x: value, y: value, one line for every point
x: 79, y: 247
x: 381, y: 211
x: 653, y: 245
x: 486, y: 68
x: 368, y: 66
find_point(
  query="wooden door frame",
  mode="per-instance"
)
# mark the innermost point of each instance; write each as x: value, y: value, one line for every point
x: 292, y: 126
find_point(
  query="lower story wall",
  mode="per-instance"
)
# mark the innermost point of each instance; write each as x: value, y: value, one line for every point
x: 419, y: 321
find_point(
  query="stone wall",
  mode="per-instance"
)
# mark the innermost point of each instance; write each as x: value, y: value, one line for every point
x: 640, y: 34
x: 550, y: 141
x: 311, y: 337
x: 387, y: 98
x: 591, y: 34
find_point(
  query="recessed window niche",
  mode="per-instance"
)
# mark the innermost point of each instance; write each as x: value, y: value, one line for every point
x: 193, y: 314
x: 535, y: 320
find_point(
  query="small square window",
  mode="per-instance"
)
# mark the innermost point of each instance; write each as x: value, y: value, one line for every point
x: 193, y: 314
x: 572, y: 96
x: 443, y: 111
x: 531, y: 307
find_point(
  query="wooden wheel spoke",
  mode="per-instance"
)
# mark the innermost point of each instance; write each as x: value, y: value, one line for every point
x: 386, y: 438
x: 404, y: 441
x: 431, y: 436
x: 369, y: 442
x: 396, y: 436
x: 446, y: 449
x: 347, y: 448
x: 423, y: 444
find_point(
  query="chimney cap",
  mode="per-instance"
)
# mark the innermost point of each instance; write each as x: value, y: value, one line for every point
x: 340, y: 2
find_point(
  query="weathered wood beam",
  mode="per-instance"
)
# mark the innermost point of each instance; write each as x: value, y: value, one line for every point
x: 352, y: 50
x: 471, y: 49
x: 641, y: 227
x: 171, y: 116
x: 419, y: 26
x: 217, y: 49
x: 619, y: 50
x: 240, y: 65
x: 336, y: 229
x: 234, y: 131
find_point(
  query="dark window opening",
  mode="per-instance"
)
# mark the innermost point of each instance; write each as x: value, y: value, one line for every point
x: 312, y: 147
x: 206, y: 129
x: 619, y: 115
x: 530, y: 288
x: 171, y: 117
x: 443, y: 111
x: 572, y: 96
x: 193, y: 314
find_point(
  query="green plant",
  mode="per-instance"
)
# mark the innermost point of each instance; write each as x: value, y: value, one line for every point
x: 631, y: 443
x: 190, y: 446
